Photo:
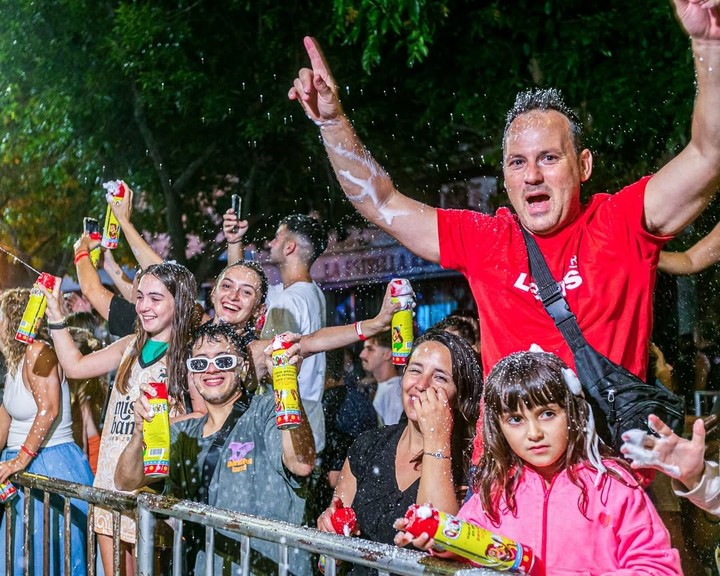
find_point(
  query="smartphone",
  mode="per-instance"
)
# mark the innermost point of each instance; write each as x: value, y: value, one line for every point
x: 236, y: 204
x: 91, y: 225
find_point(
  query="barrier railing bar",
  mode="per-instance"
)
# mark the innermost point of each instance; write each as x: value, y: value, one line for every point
x: 67, y: 540
x: 382, y: 557
x: 177, y: 549
x: 26, y: 532
x: 90, y: 540
x: 145, y: 542
x: 46, y: 533
x: 9, y: 540
x: 209, y: 550
x: 245, y: 551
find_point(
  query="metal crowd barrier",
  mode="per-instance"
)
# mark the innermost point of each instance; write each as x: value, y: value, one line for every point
x: 149, y: 508
x: 114, y: 501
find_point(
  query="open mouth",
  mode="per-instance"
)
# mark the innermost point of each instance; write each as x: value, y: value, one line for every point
x: 538, y: 198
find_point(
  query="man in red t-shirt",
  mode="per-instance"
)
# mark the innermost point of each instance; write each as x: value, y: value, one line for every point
x: 605, y: 252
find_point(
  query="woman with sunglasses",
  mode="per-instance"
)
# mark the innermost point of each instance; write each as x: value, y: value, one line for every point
x: 156, y: 352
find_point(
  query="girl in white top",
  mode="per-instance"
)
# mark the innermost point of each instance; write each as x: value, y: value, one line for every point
x: 156, y: 352
x: 36, y: 432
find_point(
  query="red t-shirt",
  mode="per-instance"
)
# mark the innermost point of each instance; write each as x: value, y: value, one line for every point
x: 605, y: 259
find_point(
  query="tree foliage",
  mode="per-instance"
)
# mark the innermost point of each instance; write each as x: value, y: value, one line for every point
x: 187, y: 101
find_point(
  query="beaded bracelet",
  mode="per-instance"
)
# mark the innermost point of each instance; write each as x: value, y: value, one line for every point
x: 28, y: 451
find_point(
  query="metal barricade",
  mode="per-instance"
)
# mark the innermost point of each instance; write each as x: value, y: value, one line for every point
x: 115, y: 501
x: 384, y: 558
x: 149, y: 507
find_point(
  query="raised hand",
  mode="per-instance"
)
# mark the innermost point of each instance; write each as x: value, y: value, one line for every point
x: 121, y: 207
x: 700, y: 18
x: 681, y: 459
x: 233, y: 228
x: 315, y: 88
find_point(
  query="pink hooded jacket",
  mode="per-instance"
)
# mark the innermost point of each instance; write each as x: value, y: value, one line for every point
x: 621, y: 532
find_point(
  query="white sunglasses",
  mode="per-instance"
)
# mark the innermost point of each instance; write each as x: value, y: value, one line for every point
x: 222, y: 362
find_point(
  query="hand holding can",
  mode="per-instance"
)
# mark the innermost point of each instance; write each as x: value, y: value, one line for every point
x: 285, y: 385
x: 469, y: 541
x: 35, y: 309
x: 402, y: 321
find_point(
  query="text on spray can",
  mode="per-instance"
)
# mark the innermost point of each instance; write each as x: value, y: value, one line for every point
x: 285, y: 386
x: 95, y: 252
x: 402, y: 321
x: 156, y: 434
x: 111, y: 228
x: 7, y: 492
x: 469, y: 541
x: 34, y: 310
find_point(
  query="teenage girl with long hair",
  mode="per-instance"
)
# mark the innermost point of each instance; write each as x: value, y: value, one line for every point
x: 544, y: 482
x: 156, y: 352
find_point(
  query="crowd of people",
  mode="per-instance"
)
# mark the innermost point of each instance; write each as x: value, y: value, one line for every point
x: 515, y: 451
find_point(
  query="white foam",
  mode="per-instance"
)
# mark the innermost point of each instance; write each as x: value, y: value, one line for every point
x: 642, y: 457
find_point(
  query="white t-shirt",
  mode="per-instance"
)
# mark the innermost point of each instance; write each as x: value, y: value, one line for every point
x: 301, y: 308
x: 388, y: 400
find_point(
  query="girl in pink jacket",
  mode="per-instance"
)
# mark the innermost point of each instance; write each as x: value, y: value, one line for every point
x: 542, y: 480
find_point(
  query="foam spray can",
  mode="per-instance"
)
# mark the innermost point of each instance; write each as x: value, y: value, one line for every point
x: 343, y: 522
x: 402, y: 321
x: 35, y: 309
x: 7, y: 492
x: 95, y: 252
x: 285, y: 385
x: 156, y: 434
x: 469, y: 541
x: 111, y: 229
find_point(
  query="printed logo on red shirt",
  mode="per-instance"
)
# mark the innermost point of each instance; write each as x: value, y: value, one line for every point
x: 570, y: 281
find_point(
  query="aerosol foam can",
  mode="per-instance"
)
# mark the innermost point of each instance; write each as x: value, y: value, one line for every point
x: 7, y: 492
x: 111, y: 229
x: 402, y: 320
x: 35, y: 309
x: 469, y: 541
x: 343, y: 522
x: 156, y: 434
x: 285, y: 385
x: 95, y: 252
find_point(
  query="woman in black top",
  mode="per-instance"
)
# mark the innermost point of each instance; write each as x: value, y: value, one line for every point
x: 423, y: 458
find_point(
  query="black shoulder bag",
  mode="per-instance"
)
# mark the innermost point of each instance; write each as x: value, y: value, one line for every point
x: 620, y: 400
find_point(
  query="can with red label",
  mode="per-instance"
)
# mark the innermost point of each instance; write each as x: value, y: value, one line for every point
x: 35, y: 309
x: 111, y: 228
x: 344, y: 521
x: 156, y: 434
x: 7, y: 492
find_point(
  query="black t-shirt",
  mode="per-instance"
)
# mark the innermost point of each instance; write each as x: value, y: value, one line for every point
x: 121, y: 317
x: 378, y: 501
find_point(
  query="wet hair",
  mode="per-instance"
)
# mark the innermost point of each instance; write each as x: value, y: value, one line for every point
x: 12, y: 306
x: 181, y: 284
x: 210, y: 332
x: 310, y: 231
x: 467, y: 376
x: 248, y: 331
x: 90, y: 390
x: 528, y: 380
x: 544, y: 99
x: 250, y: 265
x: 462, y: 326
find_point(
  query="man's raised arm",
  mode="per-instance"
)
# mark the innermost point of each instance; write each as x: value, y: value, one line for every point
x: 363, y: 180
x: 677, y: 194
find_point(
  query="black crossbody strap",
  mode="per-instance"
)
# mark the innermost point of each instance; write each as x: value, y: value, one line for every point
x: 551, y: 295
x: 213, y: 455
